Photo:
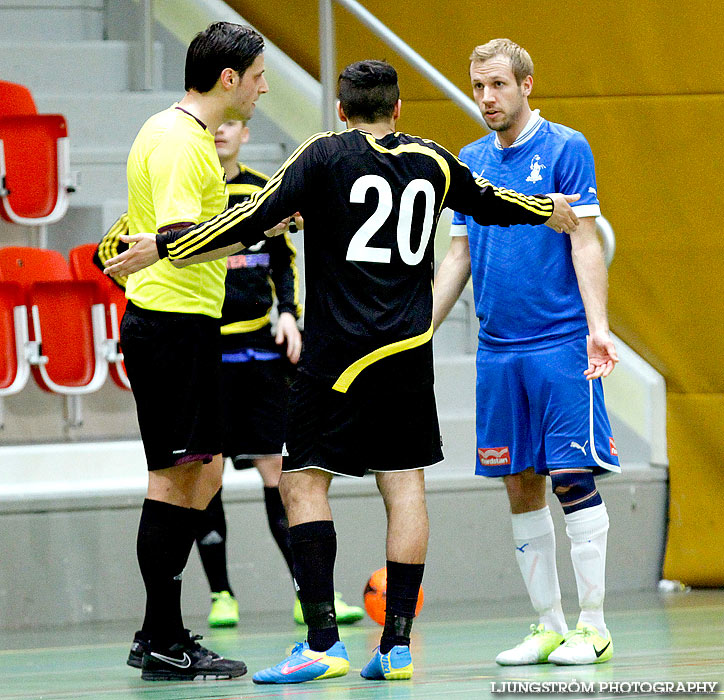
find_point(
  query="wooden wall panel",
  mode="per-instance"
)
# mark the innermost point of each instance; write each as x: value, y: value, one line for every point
x: 643, y: 82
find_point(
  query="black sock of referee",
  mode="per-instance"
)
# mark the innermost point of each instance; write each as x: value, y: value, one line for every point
x: 211, y: 539
x: 403, y: 586
x: 165, y: 538
x: 314, y: 548
x: 278, y: 524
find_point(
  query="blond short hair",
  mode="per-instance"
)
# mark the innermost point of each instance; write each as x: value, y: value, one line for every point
x: 520, y: 60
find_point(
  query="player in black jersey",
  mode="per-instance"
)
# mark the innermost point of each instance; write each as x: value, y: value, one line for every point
x: 255, y: 379
x: 255, y: 375
x: 363, y: 397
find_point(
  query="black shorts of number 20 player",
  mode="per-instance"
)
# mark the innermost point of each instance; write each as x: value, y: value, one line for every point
x: 363, y: 397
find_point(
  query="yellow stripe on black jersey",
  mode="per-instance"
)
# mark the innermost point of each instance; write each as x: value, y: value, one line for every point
x: 370, y: 207
x: 111, y: 245
x: 415, y: 148
x: 198, y: 236
x: 344, y: 381
x: 242, y: 190
x: 253, y: 324
x: 533, y: 203
x: 255, y: 277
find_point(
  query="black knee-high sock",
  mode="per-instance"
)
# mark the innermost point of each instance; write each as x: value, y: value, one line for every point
x: 278, y: 524
x: 403, y: 585
x: 314, y: 549
x: 165, y: 538
x: 211, y: 540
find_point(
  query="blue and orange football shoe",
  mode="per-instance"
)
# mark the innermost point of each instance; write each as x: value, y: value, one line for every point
x: 306, y: 665
x: 395, y: 665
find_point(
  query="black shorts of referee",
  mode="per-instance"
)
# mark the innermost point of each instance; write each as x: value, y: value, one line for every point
x: 371, y: 427
x: 173, y: 361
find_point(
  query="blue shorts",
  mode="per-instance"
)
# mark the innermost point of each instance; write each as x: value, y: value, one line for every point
x: 536, y: 409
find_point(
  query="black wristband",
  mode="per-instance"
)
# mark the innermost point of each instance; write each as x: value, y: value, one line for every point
x: 161, y: 247
x: 286, y: 307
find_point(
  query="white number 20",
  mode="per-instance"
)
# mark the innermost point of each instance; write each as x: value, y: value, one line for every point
x: 359, y: 250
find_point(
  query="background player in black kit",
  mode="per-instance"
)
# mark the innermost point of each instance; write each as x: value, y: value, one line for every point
x: 363, y: 395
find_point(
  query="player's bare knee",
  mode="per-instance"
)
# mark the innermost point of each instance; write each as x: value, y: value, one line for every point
x: 526, y: 491
x: 402, y: 489
x: 270, y: 469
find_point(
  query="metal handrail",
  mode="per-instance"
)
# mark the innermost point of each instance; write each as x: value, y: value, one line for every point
x: 328, y: 79
x: 147, y: 44
x: 327, y: 55
x: 608, y: 239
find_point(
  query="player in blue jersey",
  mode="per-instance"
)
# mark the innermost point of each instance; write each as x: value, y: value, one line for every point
x: 544, y: 344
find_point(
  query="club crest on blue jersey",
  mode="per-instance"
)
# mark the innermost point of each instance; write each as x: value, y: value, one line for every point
x: 535, y: 167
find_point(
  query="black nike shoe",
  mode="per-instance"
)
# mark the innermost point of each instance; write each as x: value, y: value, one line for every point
x: 139, y: 647
x: 188, y: 661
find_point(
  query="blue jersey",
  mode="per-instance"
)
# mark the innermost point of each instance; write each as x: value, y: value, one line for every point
x: 525, y: 286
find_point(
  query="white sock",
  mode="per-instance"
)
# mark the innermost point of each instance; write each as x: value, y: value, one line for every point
x: 588, y: 532
x: 535, y: 551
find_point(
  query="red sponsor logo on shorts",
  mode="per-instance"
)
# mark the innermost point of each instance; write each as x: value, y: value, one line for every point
x: 493, y: 456
x: 612, y: 445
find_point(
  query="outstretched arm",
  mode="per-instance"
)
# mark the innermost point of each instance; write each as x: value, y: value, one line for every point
x: 590, y: 267
x: 450, y: 280
x: 234, y: 229
x: 144, y: 251
x: 491, y: 205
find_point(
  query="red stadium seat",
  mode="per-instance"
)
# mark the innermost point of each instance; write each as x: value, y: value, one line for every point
x: 67, y: 330
x: 15, y: 99
x: 14, y: 342
x: 83, y: 268
x: 34, y: 160
x: 14, y: 366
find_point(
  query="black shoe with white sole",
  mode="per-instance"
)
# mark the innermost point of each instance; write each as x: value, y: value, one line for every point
x: 139, y: 647
x: 188, y: 661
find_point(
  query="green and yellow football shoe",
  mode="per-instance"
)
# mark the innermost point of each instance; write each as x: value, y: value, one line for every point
x: 224, y: 610
x: 584, y: 645
x: 346, y: 614
x: 534, y: 649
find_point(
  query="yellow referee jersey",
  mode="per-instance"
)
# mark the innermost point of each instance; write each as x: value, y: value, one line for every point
x: 174, y: 176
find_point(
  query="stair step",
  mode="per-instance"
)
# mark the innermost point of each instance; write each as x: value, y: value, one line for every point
x: 458, y: 436
x: 102, y: 169
x: 455, y: 384
x: 38, y: 20
x: 93, y: 121
x: 38, y: 65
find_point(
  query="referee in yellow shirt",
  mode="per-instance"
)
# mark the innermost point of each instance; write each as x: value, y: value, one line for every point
x: 170, y: 336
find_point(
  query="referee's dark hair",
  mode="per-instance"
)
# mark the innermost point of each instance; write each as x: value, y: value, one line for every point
x: 368, y: 90
x: 221, y: 45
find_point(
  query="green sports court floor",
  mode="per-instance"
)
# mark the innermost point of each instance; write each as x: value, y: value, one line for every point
x: 676, y: 637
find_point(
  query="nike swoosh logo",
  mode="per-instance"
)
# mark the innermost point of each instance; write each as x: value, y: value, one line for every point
x: 184, y: 662
x: 598, y: 653
x: 287, y: 669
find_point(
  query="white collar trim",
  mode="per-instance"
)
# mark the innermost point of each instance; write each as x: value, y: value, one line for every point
x: 534, y: 123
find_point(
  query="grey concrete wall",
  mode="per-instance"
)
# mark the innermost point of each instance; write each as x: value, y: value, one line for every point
x: 73, y: 560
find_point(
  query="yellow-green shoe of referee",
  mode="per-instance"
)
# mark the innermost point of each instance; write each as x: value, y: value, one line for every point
x: 346, y: 614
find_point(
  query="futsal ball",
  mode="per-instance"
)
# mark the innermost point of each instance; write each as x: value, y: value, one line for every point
x: 375, y: 596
